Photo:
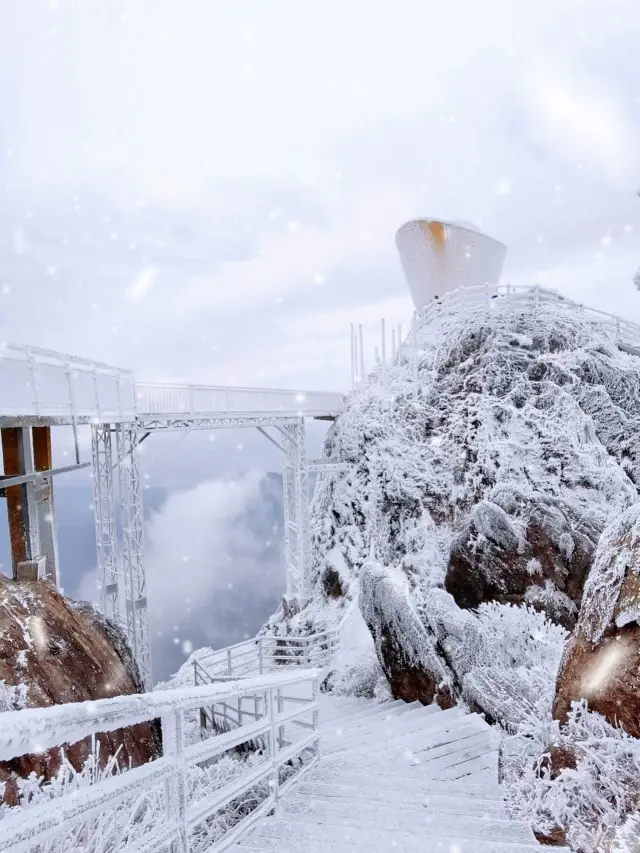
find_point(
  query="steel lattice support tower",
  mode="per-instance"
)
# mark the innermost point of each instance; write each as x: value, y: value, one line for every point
x: 296, y: 511
x: 134, y: 575
x: 105, y: 519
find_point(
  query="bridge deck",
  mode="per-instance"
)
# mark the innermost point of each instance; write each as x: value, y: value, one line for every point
x: 44, y: 387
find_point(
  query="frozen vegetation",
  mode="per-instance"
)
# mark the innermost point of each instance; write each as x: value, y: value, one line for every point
x: 466, y: 528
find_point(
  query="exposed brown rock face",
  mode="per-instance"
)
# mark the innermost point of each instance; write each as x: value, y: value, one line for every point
x: 62, y: 653
x: 601, y: 662
x: 516, y: 549
x: 558, y: 758
x: 606, y: 674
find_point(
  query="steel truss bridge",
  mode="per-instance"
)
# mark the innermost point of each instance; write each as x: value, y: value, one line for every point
x: 41, y: 388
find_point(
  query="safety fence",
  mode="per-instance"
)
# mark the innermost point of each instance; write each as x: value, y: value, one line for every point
x: 482, y: 302
x: 265, y: 654
x: 40, y: 383
x: 173, y: 400
x: 193, y: 797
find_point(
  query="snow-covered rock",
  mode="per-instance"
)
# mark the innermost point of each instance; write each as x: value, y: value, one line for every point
x: 489, y: 480
x: 54, y: 651
x: 601, y: 662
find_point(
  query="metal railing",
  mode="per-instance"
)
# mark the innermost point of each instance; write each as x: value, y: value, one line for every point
x: 40, y: 383
x: 156, y: 399
x: 265, y: 654
x: 484, y: 302
x: 65, y: 389
x: 160, y: 805
x: 507, y: 297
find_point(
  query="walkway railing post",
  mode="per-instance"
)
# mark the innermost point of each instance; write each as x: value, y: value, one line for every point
x: 280, y: 710
x: 273, y: 745
x: 176, y: 785
x: 316, y: 714
x: 260, y: 656
x: 414, y: 344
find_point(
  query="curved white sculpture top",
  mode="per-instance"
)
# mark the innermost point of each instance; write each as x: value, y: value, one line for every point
x: 438, y: 257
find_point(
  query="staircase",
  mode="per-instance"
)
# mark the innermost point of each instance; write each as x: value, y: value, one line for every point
x: 399, y: 777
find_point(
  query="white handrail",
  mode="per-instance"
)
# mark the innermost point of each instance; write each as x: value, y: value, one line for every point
x: 154, y: 399
x: 181, y: 811
x: 484, y: 301
x: 41, y: 383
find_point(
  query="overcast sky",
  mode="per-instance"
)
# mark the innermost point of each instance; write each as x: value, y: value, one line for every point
x: 209, y: 191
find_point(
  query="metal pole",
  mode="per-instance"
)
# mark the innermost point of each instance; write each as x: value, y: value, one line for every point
x: 361, y: 348
x: 393, y: 346
x: 384, y: 340
x: 414, y: 341
x: 353, y: 360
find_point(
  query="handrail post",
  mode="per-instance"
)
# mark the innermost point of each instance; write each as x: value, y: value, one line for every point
x: 414, y: 346
x: 316, y: 712
x: 260, y: 659
x: 273, y: 746
x: 176, y: 785
x: 34, y: 383
x: 280, y: 710
x: 229, y: 661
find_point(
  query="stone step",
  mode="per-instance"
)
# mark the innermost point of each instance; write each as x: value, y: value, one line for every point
x: 298, y: 837
x: 421, y: 821
x: 397, y: 780
x: 361, y: 716
x: 403, y: 795
x: 343, y: 706
x: 389, y: 710
x: 378, y: 734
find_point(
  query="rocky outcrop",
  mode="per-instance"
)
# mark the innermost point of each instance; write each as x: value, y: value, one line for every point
x: 517, y: 548
x: 405, y: 646
x: 601, y: 662
x: 53, y: 651
x: 492, y: 480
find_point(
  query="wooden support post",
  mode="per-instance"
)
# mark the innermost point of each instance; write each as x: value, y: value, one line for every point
x: 16, y: 497
x: 43, y: 461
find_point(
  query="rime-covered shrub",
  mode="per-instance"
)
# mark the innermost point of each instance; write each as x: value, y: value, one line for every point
x: 589, y: 800
x: 519, y: 636
x: 361, y: 677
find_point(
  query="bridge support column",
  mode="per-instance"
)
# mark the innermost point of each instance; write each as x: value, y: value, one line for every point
x: 30, y: 506
x: 296, y: 513
x: 47, y: 531
x: 105, y: 520
x: 134, y: 574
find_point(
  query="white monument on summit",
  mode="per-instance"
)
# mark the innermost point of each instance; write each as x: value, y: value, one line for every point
x: 438, y: 257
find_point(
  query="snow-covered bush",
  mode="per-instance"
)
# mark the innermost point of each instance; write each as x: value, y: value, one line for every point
x: 362, y: 677
x: 519, y: 636
x: 587, y: 801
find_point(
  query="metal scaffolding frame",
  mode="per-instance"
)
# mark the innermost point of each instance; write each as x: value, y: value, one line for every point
x: 105, y: 520
x: 296, y: 511
x: 133, y: 568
